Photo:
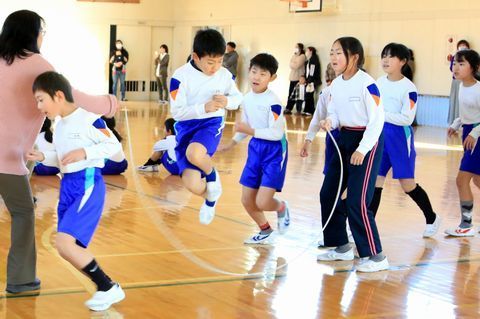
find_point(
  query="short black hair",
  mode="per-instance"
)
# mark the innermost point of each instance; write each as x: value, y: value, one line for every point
x: 401, y: 52
x: 464, y: 42
x: 209, y: 42
x: 471, y: 56
x: 165, y: 47
x: 265, y: 61
x: 232, y: 44
x: 352, y: 46
x: 51, y: 82
x: 170, y: 126
x: 19, y: 35
x: 111, y: 124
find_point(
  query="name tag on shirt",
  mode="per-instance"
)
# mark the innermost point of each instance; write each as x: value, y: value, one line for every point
x: 354, y: 99
x: 74, y: 136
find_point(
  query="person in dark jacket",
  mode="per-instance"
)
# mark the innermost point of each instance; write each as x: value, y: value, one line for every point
x: 312, y: 75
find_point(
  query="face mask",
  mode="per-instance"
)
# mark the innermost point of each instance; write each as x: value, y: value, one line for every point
x: 297, y: 51
x: 308, y: 54
x: 119, y: 46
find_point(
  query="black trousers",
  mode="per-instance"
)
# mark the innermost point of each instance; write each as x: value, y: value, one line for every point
x: 291, y: 103
x: 360, y: 184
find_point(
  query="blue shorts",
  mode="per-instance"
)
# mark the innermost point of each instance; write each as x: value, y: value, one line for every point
x: 170, y: 165
x: 207, y: 132
x: 82, y: 195
x: 266, y: 164
x: 114, y: 168
x: 330, y: 148
x: 470, y: 160
x: 398, y: 152
x: 43, y: 170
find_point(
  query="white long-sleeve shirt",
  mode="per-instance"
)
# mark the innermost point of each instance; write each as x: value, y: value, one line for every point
x: 319, y: 114
x: 42, y: 144
x: 263, y: 112
x: 469, y: 101
x: 191, y: 89
x: 399, y: 99
x: 82, y: 129
x: 356, y: 103
x: 168, y: 144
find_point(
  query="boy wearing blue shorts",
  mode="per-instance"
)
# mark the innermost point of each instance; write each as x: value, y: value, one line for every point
x: 163, y: 152
x: 199, y: 93
x: 264, y: 172
x: 82, y: 141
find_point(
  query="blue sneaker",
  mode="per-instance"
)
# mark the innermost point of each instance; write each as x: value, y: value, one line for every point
x: 260, y: 239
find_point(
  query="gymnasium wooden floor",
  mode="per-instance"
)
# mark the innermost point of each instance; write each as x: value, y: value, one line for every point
x: 150, y: 241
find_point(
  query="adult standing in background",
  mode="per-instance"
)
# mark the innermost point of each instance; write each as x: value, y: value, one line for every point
x: 453, y: 105
x: 230, y: 59
x: 297, y: 69
x: 20, y: 63
x: 313, y: 76
x: 119, y: 59
x: 161, y: 73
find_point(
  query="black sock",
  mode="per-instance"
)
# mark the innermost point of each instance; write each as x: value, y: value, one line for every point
x: 150, y: 162
x: 96, y: 274
x: 420, y: 197
x: 375, y: 203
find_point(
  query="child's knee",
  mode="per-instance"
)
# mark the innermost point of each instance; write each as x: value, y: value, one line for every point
x: 462, y: 180
x: 262, y: 202
x: 195, y: 154
x: 476, y: 180
x: 64, y: 247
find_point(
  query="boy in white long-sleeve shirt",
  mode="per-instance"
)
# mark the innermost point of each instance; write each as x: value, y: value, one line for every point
x: 82, y: 142
x: 264, y: 172
x: 199, y: 93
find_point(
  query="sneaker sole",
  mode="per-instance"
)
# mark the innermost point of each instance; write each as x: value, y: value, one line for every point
x: 105, y: 306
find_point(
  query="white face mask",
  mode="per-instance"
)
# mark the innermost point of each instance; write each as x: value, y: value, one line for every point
x: 308, y: 54
x: 297, y: 51
x: 119, y: 46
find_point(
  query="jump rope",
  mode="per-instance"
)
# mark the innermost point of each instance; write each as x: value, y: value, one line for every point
x: 178, y: 244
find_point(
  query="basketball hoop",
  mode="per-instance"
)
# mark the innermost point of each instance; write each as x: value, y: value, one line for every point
x: 298, y: 3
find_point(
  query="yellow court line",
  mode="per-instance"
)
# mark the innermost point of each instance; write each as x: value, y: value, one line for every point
x: 163, y: 252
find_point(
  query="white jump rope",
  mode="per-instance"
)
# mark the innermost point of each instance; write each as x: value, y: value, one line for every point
x: 177, y: 244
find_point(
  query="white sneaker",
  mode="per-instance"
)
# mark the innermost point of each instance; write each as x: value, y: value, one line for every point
x: 284, y: 222
x: 207, y: 214
x: 102, y: 300
x: 148, y: 168
x: 460, y: 232
x: 260, y: 239
x: 331, y: 255
x: 372, y: 266
x: 214, y: 189
x: 432, y: 229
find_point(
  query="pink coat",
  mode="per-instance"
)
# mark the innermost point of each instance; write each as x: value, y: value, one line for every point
x: 20, y: 120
